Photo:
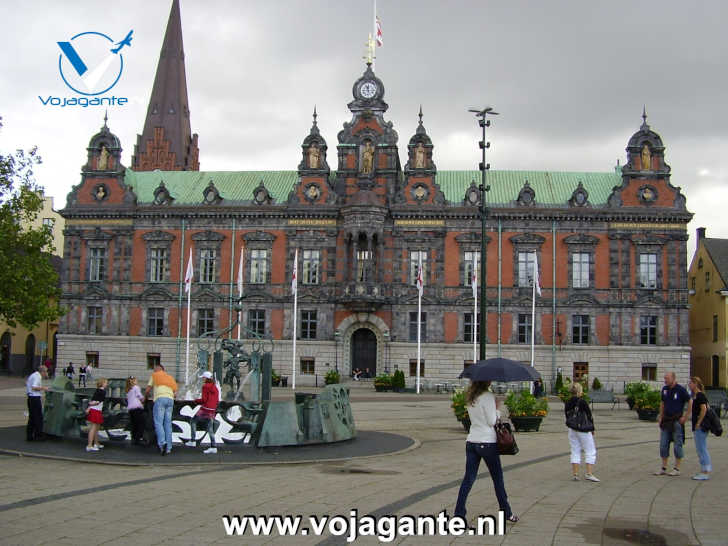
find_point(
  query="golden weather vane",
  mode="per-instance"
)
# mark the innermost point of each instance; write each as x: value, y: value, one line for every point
x: 370, y: 44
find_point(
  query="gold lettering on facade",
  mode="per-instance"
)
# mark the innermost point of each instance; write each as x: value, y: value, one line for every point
x: 311, y: 222
x: 640, y: 225
x: 419, y: 222
x: 100, y: 221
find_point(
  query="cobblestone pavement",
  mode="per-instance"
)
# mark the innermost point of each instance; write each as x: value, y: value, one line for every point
x: 66, y: 502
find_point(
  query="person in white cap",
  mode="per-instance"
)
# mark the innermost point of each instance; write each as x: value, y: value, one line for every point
x: 206, y: 414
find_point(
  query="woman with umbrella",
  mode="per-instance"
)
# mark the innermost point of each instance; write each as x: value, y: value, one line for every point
x: 481, y: 441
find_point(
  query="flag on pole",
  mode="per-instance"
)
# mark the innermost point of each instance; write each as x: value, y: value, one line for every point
x: 379, y: 31
x: 419, y: 275
x: 294, y: 277
x: 474, y: 280
x: 189, y: 274
x: 536, y: 281
x: 240, y: 274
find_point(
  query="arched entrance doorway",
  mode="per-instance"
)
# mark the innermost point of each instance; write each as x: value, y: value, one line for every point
x: 5, y: 346
x: 29, y: 354
x: 364, y: 351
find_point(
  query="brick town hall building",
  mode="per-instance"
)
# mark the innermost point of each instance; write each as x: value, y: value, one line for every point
x: 611, y: 250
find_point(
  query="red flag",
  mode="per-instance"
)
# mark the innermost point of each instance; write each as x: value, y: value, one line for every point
x: 189, y: 274
x: 294, y: 277
x: 379, y: 32
x: 420, y: 283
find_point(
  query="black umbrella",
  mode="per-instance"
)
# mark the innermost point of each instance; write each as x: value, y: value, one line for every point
x: 500, y: 369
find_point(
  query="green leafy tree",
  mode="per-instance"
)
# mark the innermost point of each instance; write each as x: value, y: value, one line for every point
x: 30, y: 290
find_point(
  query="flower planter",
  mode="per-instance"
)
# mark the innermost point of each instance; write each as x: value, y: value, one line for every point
x: 526, y: 423
x: 647, y: 414
x: 382, y: 388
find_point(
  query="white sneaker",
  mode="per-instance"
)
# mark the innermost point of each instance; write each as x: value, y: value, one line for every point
x: 701, y: 476
x: 92, y: 448
x: 591, y: 478
x: 191, y: 443
x: 100, y: 446
x: 210, y: 450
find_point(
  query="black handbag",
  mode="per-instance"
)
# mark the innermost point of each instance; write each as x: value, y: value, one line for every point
x: 711, y: 422
x: 505, y: 440
x: 578, y: 420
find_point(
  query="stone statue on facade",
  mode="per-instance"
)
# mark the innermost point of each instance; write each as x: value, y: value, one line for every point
x: 103, y: 159
x: 367, y: 158
x: 645, y: 157
x: 419, y: 156
x: 314, y: 157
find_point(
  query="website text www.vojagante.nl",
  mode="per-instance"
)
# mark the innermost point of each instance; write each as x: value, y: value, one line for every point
x: 353, y: 526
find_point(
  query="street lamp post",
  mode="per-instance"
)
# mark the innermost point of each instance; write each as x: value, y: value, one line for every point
x: 484, y: 145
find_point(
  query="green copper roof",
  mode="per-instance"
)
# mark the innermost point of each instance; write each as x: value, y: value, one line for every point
x: 552, y: 188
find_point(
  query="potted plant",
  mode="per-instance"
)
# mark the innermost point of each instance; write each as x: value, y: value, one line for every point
x: 526, y: 411
x: 331, y: 377
x: 647, y: 405
x: 596, y: 384
x: 383, y: 382
x: 275, y: 378
x: 398, y: 381
x: 458, y: 407
x: 633, y: 391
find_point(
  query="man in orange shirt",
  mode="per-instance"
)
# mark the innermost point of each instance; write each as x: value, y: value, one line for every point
x: 165, y: 388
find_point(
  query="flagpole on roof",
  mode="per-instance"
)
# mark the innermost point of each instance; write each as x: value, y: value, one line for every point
x: 374, y: 33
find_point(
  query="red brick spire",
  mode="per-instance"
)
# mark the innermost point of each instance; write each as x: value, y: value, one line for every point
x: 167, y: 142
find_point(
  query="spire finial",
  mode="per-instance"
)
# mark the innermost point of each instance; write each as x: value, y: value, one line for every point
x: 420, y: 114
x: 106, y: 118
x: 315, y: 115
x: 644, y: 118
x: 369, y: 57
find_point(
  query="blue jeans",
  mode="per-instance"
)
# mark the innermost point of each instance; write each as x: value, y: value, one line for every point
x: 701, y: 446
x: 163, y: 421
x: 489, y: 453
x: 673, y: 433
x: 211, y: 425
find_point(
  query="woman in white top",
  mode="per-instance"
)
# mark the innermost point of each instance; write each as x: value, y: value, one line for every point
x: 481, y: 444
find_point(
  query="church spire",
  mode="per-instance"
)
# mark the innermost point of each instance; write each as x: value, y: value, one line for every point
x: 167, y: 142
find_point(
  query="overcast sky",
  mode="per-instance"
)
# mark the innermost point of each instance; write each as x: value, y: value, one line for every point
x: 569, y: 79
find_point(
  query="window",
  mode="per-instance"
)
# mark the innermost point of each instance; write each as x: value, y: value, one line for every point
x: 92, y: 359
x: 580, y: 328
x: 648, y: 270
x: 692, y: 283
x: 715, y: 328
x: 96, y: 264
x: 153, y: 359
x: 50, y: 222
x: 413, y: 326
x: 468, y: 259
x: 158, y: 269
x: 525, y: 268
x: 308, y: 366
x: 155, y: 321
x: 308, y: 324
x: 580, y: 269
x: 413, y: 367
x: 581, y: 369
x: 363, y: 260
x: 208, y: 258
x: 94, y: 320
x: 648, y: 330
x: 524, y: 328
x: 468, y: 326
x: 707, y: 281
x: 205, y: 321
x: 258, y: 266
x: 310, y: 267
x: 256, y: 321
x: 414, y: 264
x: 649, y: 371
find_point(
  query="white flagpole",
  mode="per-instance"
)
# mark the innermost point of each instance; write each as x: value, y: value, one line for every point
x: 240, y: 285
x: 420, y: 282
x: 533, y: 306
x: 474, y: 283
x: 294, y: 289
x: 188, y: 287
x: 374, y: 35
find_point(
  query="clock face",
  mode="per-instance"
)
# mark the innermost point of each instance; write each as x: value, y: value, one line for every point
x: 312, y: 192
x: 260, y: 196
x: 368, y: 89
x: 473, y: 196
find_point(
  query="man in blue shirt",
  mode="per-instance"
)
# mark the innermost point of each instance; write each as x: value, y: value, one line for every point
x: 673, y: 414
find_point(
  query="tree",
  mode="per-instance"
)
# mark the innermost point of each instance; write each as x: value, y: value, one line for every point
x: 29, y: 290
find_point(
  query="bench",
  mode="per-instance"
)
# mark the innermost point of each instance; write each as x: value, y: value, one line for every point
x: 603, y: 396
x: 717, y: 399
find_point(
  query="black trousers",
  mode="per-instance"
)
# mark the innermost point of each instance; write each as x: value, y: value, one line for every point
x: 34, y: 430
x: 137, y: 423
